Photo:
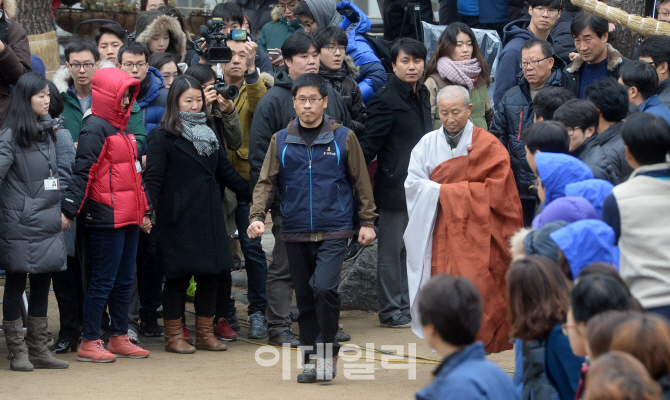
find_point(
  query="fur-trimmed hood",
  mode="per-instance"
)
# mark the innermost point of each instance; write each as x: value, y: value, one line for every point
x: 162, y: 23
x: 10, y: 7
x: 614, y: 59
x: 276, y: 14
x: 516, y: 247
x: 267, y: 79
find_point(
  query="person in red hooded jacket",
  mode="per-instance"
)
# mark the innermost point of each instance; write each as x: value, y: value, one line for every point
x: 107, y: 186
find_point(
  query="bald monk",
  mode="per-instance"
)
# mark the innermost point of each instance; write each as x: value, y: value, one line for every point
x: 463, y: 208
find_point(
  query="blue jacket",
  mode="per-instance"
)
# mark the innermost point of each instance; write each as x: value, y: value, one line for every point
x: 561, y: 365
x: 593, y: 190
x: 586, y: 242
x: 315, y: 192
x: 467, y: 375
x: 558, y: 170
x: 654, y: 105
x: 509, y: 72
x: 493, y: 12
x: 468, y: 7
x: 154, y: 100
x: 372, y: 75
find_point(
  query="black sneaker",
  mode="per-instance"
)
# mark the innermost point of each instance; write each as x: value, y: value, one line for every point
x: 353, y: 249
x: 234, y: 322
x: 308, y: 374
x: 398, y: 321
x: 285, y: 336
x: 342, y: 336
x: 257, y: 326
x: 149, y: 326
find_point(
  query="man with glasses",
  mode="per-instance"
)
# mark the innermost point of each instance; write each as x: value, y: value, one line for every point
x: 543, y: 16
x: 515, y: 114
x: 284, y: 24
x: 312, y: 166
x: 597, y: 59
x: 271, y: 115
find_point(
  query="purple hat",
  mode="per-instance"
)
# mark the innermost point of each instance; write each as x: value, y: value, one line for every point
x: 569, y: 209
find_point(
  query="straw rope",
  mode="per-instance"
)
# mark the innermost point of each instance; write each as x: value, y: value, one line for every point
x: 45, y: 46
x: 644, y: 26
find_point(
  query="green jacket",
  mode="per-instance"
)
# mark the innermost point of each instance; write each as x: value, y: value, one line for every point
x: 75, y: 118
x: 273, y: 34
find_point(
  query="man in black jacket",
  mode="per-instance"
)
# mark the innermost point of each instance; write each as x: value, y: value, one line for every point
x: 611, y: 98
x: 271, y: 115
x: 515, y: 114
x: 398, y: 117
x: 581, y: 118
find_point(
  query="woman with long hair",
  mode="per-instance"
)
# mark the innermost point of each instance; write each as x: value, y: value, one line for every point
x: 187, y: 168
x: 30, y: 226
x: 458, y: 60
x: 538, y: 297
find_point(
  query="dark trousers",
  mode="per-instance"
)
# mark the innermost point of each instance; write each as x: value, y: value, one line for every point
x: 315, y: 268
x: 223, y: 299
x: 174, y: 296
x: 15, y: 285
x: 113, y: 253
x: 279, y: 286
x: 148, y: 285
x: 528, y: 207
x: 254, y: 263
x: 448, y: 12
x: 69, y: 290
x: 392, y: 286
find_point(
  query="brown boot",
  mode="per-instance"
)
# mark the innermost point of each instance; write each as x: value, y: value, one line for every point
x: 204, y: 338
x: 174, y: 338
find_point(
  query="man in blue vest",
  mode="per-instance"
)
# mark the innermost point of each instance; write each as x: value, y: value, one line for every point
x: 314, y: 166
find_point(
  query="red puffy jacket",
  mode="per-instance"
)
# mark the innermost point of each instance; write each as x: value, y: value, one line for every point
x: 106, y: 179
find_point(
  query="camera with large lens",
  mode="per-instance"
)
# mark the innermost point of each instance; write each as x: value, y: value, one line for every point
x: 216, y: 51
x: 229, y: 92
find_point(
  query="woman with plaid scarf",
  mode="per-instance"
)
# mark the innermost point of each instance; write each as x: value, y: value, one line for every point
x: 459, y: 61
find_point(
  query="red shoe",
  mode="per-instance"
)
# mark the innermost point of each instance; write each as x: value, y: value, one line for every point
x: 223, y: 331
x: 123, y: 347
x: 94, y: 351
x: 187, y: 334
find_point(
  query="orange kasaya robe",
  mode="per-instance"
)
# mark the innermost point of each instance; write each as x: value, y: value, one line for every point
x: 479, y: 211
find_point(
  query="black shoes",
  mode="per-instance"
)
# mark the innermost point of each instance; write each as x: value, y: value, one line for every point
x: 342, y: 336
x: 63, y: 345
x: 149, y: 325
x: 398, y: 321
x: 258, y: 328
x: 285, y: 336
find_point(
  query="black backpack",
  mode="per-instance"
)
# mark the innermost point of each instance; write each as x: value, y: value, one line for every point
x: 381, y: 49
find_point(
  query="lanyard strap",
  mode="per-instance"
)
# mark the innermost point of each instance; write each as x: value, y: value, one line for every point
x: 45, y: 156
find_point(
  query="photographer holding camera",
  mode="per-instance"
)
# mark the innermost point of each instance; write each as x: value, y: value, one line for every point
x: 14, y: 53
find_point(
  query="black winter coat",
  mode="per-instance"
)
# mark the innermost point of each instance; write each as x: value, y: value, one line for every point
x: 572, y: 74
x: 347, y: 87
x: 611, y: 142
x: 273, y: 114
x: 515, y: 114
x: 397, y: 119
x: 593, y: 155
x: 190, y: 225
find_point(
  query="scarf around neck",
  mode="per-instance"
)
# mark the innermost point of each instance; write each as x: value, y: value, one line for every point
x: 460, y: 72
x: 196, y: 131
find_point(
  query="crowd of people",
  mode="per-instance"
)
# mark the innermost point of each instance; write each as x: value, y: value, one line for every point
x: 527, y: 217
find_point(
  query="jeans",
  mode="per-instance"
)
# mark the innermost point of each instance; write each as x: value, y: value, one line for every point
x: 15, y: 285
x: 279, y: 286
x: 69, y: 290
x: 315, y: 268
x: 254, y: 261
x: 113, y: 253
x: 174, y: 296
x: 392, y: 286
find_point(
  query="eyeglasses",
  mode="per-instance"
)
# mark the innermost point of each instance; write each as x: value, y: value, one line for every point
x: 332, y: 48
x: 283, y: 7
x: 541, y: 10
x: 565, y: 327
x: 307, y: 25
x: 534, y: 63
x: 311, y: 101
x: 571, y: 131
x: 139, y: 65
x: 87, y: 66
